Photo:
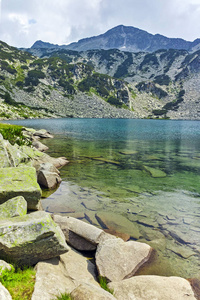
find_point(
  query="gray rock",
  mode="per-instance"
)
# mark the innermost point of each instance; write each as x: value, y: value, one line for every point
x: 90, y: 292
x: 117, y: 260
x: 153, y: 287
x: 5, y: 266
x: 39, y: 146
x: 31, y: 238
x: 14, y: 207
x: 20, y: 181
x: 79, y: 234
x: 43, y: 133
x: 56, y: 276
x: 48, y: 176
x: 4, y: 294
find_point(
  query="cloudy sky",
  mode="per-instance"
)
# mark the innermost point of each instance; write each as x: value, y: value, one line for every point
x: 22, y: 22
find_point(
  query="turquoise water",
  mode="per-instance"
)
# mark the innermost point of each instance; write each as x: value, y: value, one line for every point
x: 140, y: 177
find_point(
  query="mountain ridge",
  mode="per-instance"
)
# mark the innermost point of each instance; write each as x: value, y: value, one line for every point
x: 126, y: 38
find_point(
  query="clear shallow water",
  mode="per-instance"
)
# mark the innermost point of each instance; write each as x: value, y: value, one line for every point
x: 141, y: 177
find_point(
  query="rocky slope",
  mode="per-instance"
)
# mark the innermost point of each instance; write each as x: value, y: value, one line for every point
x: 55, y: 88
x: 126, y: 38
x: 162, y: 84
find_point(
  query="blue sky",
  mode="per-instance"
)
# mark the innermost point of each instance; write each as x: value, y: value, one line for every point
x: 22, y: 22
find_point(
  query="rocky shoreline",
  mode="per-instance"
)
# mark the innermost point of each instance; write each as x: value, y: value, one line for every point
x: 58, y: 246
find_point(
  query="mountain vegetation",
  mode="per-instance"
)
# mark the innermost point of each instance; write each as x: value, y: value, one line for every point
x: 51, y: 81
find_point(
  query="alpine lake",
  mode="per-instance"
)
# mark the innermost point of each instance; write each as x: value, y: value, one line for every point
x: 136, y: 177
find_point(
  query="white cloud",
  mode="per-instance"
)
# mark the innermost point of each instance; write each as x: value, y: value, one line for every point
x: 23, y: 22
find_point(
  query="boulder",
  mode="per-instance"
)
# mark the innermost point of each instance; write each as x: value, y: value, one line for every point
x: 39, y: 146
x: 10, y: 156
x: 31, y: 238
x: 153, y: 287
x: 42, y: 133
x: 156, y: 173
x: 56, y: 276
x: 5, y: 266
x: 48, y: 176
x: 21, y: 181
x: 4, y: 294
x: 79, y: 234
x: 14, y: 207
x: 90, y: 292
x: 117, y: 260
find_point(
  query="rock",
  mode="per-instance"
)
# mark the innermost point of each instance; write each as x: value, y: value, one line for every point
x: 90, y: 292
x: 156, y: 173
x: 10, y: 156
x: 39, y: 146
x: 117, y: 260
x: 113, y: 221
x: 124, y: 236
x: 78, y: 232
x: 20, y: 181
x: 31, y: 238
x: 5, y: 266
x: 43, y: 133
x: 14, y: 207
x: 153, y: 287
x: 45, y: 158
x: 4, y: 294
x: 55, y: 276
x: 48, y: 176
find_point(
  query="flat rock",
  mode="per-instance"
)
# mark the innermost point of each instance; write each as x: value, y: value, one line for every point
x: 152, y: 287
x: 156, y: 173
x: 113, y: 221
x: 56, y: 276
x: 4, y: 294
x: 31, y: 238
x: 90, y: 292
x: 42, y: 133
x: 20, y: 181
x: 117, y: 260
x: 14, y: 207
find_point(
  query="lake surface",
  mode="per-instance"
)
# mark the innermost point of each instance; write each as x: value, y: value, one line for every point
x: 140, y: 177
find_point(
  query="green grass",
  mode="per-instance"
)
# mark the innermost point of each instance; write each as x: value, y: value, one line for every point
x: 104, y: 284
x: 19, y: 282
x: 64, y: 296
x: 13, y: 133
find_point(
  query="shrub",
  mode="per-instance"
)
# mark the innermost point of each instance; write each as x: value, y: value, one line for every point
x: 13, y: 134
x: 114, y: 101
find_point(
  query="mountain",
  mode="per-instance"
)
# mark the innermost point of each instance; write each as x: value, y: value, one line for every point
x: 126, y: 38
x: 53, y: 88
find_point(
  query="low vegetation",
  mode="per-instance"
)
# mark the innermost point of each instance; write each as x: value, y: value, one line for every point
x: 14, y: 134
x: 19, y: 282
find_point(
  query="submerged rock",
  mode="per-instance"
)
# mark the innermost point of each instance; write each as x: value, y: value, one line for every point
x: 31, y: 238
x: 21, y: 181
x: 153, y: 287
x: 116, y: 222
x: 117, y: 260
x: 14, y: 207
x: 156, y: 173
